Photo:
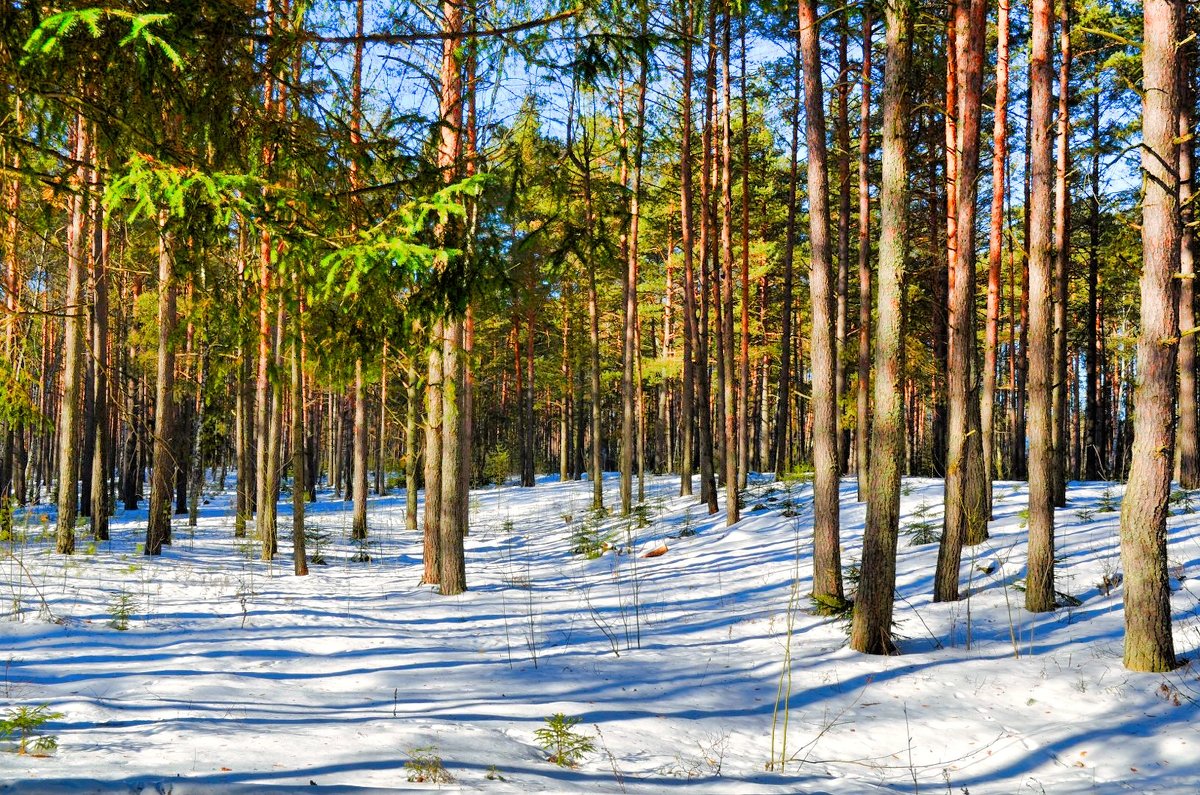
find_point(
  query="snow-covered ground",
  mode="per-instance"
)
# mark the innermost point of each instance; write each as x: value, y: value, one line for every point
x: 234, y: 675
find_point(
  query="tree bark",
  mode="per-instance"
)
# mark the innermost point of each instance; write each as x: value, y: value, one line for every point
x: 73, y: 349
x: 871, y: 626
x: 158, y: 529
x: 1148, y: 642
x: 783, y: 406
x: 987, y: 400
x: 732, y: 512
x: 863, y: 396
x: 1062, y: 253
x: 827, y: 566
x: 98, y: 487
x: 966, y: 512
x: 297, y: 431
x: 433, y: 457
x: 841, y: 382
x: 1189, y: 250
x: 1039, y: 583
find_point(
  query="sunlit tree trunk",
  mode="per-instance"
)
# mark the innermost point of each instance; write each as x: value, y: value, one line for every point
x: 745, y: 386
x: 433, y: 457
x: 827, y: 566
x: 966, y: 511
x: 732, y: 513
x: 783, y: 417
x: 98, y: 487
x: 158, y: 529
x: 863, y: 397
x: 686, y: 198
x: 1039, y: 584
x: 74, y: 350
x: 987, y: 400
x: 871, y: 627
x: 1148, y: 642
x: 452, y: 524
x: 1189, y: 248
x: 842, y: 134
x: 1062, y: 252
x: 297, y: 432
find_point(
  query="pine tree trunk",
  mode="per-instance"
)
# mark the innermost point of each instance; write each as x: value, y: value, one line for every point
x: 690, y: 332
x: 358, y: 530
x: 843, y: 245
x: 827, y: 566
x: 1094, y: 464
x: 98, y: 487
x: 1148, y: 642
x: 966, y: 512
x: 1189, y: 250
x: 299, y: 475
x: 433, y: 457
x: 871, y: 626
x: 74, y: 351
x: 411, y: 411
x: 158, y: 529
x: 987, y: 400
x: 381, y: 486
x: 744, y: 384
x: 452, y: 577
x: 1039, y: 584
x: 528, y: 438
x: 732, y: 513
x: 863, y: 396
x: 783, y: 420
x: 1062, y: 252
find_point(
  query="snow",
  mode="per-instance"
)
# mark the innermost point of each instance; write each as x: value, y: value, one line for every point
x: 236, y: 676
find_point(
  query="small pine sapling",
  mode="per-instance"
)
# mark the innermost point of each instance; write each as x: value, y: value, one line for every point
x: 559, y: 739
x: 23, y: 725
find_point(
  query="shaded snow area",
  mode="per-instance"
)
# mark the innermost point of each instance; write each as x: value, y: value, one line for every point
x: 234, y: 675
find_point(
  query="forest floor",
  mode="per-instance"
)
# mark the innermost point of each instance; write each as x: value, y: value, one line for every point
x: 234, y: 675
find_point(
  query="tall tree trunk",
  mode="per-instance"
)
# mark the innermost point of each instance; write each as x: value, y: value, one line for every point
x: 1039, y: 584
x: 74, y: 351
x: 433, y: 456
x: 706, y: 399
x: 827, y: 565
x: 843, y: 244
x: 453, y: 521
x: 297, y: 432
x: 528, y: 443
x: 98, y: 487
x: 358, y: 529
x: 1094, y: 464
x: 629, y: 352
x: 411, y: 412
x: 452, y: 577
x: 270, y: 526
x: 732, y: 513
x: 863, y: 401
x: 158, y: 529
x: 690, y: 332
x: 783, y: 406
x: 1189, y: 250
x: 564, y: 415
x: 987, y: 400
x: 381, y: 486
x: 358, y: 485
x: 1148, y: 642
x: 1062, y: 253
x: 966, y: 511
x: 743, y: 463
x: 871, y: 626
